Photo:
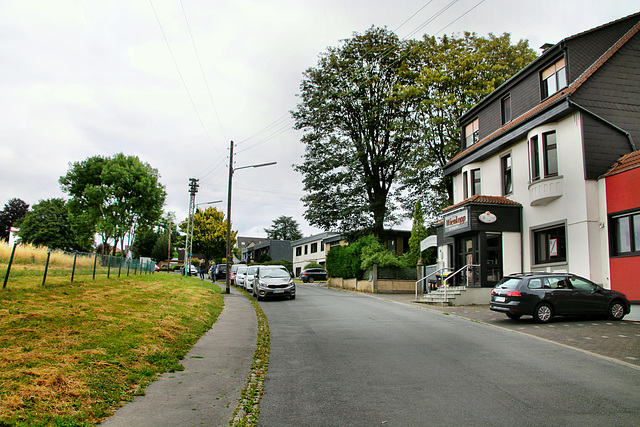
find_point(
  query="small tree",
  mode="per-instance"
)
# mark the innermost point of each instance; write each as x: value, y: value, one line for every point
x: 14, y: 210
x: 418, y: 233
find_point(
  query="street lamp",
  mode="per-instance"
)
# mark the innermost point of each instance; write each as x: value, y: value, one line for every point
x: 231, y: 171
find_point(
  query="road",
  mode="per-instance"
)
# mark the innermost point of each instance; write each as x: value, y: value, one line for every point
x: 342, y: 359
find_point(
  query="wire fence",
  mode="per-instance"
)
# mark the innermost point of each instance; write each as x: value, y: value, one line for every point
x: 28, y: 265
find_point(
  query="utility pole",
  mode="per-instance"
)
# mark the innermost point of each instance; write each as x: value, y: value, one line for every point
x: 193, y: 189
x: 228, y: 283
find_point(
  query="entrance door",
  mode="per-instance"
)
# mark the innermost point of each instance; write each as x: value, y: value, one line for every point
x: 468, y: 254
x: 493, y: 263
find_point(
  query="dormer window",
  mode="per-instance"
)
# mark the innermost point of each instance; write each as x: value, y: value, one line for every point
x: 554, y: 78
x: 471, y: 134
x: 506, y: 109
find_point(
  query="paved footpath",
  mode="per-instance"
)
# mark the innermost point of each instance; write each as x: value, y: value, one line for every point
x: 215, y: 372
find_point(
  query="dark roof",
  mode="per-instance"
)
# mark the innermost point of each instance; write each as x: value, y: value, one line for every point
x: 556, y: 98
x: 626, y: 162
x: 479, y: 199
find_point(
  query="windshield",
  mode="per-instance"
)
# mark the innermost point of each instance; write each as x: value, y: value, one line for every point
x: 275, y: 273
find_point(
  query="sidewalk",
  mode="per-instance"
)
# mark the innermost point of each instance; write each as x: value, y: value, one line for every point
x: 215, y: 372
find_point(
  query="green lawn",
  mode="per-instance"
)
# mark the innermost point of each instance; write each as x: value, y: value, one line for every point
x: 70, y: 354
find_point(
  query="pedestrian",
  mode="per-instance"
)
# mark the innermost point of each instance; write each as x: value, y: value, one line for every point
x: 212, y: 272
x: 202, y: 269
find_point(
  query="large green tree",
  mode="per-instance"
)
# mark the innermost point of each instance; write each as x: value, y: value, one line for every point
x: 357, y: 133
x: 117, y: 194
x: 13, y: 210
x: 210, y: 234
x: 449, y: 76
x: 50, y: 224
x: 418, y: 233
x: 284, y: 228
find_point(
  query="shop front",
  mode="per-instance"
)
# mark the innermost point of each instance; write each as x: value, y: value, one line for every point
x: 473, y: 234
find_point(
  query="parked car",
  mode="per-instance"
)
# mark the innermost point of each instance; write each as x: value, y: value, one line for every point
x: 273, y: 280
x: 545, y: 295
x: 156, y: 268
x: 232, y: 276
x: 249, y: 281
x: 312, y: 274
x: 193, y: 271
x: 241, y: 274
x: 221, y: 272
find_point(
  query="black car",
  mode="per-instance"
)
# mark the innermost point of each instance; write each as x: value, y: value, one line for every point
x: 221, y: 272
x: 312, y: 274
x: 545, y: 295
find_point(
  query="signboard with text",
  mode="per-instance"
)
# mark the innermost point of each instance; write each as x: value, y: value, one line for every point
x: 457, y: 221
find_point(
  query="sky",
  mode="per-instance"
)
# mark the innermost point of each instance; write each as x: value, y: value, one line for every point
x: 175, y: 81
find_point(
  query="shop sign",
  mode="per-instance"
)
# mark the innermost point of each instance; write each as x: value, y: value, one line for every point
x: 456, y: 221
x: 488, y: 217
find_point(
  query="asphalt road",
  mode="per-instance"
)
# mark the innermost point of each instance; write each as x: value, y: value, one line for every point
x: 341, y: 359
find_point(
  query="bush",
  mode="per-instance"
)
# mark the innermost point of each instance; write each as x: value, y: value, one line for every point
x: 346, y: 261
x: 312, y: 265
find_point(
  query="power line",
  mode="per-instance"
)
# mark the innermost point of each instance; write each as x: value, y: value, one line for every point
x: 452, y: 22
x: 180, y: 74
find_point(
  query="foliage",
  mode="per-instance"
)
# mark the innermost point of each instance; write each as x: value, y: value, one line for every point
x: 375, y: 253
x: 451, y: 74
x: 209, y: 233
x: 284, y: 228
x: 285, y: 262
x: 50, y: 224
x: 357, y: 133
x: 312, y: 265
x: 346, y: 261
x: 418, y: 233
x: 264, y: 258
x: 78, y: 351
x: 13, y: 210
x: 117, y: 194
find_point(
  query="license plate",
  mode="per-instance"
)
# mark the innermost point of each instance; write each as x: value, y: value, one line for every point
x: 500, y: 299
x: 278, y: 291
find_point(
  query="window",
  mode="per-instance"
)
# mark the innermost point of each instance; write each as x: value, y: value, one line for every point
x: 322, y: 246
x: 506, y: 109
x: 549, y: 245
x: 554, y: 78
x: 465, y: 185
x: 306, y: 249
x: 475, y: 182
x: 299, y: 251
x: 507, y: 178
x: 534, y: 154
x: 626, y: 234
x: 471, y: 134
x: 314, y: 248
x: 550, y: 154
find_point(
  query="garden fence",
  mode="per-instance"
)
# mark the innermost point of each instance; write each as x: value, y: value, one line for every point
x: 26, y: 264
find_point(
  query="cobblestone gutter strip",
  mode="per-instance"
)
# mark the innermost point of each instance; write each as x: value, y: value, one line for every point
x: 248, y: 409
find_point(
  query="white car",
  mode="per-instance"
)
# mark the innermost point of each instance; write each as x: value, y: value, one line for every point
x: 241, y: 275
x: 250, y: 278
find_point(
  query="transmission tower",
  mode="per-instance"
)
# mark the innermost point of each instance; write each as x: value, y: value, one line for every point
x: 193, y: 189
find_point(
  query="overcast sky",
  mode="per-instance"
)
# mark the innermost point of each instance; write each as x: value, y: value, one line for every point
x: 174, y: 81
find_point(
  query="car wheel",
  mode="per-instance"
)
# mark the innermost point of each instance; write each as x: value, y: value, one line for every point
x: 514, y: 316
x: 310, y: 280
x: 616, y: 311
x: 543, y: 313
x: 292, y: 297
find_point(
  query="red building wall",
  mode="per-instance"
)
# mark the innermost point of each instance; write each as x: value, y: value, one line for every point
x: 623, y: 193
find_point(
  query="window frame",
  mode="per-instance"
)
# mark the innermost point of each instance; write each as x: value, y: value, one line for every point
x: 632, y: 234
x: 471, y: 133
x: 534, y: 159
x: 507, y: 174
x: 553, y: 74
x: 476, y: 182
x: 314, y: 247
x: 542, y: 254
x: 465, y: 185
x: 505, y: 107
x: 547, y: 148
x: 298, y: 250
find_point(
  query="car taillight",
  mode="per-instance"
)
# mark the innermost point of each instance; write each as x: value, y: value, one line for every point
x: 513, y: 294
x: 493, y: 291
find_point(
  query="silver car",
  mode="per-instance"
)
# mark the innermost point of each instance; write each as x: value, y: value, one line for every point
x: 273, y: 280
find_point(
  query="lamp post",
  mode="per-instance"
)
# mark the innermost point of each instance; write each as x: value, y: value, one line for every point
x: 231, y: 171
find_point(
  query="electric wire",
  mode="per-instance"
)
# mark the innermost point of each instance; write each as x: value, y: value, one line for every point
x: 452, y: 22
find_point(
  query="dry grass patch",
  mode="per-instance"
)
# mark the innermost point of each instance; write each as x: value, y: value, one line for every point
x: 72, y: 353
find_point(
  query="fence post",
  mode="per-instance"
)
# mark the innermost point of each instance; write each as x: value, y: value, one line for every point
x: 73, y: 270
x: 6, y: 276
x: 109, y: 267
x: 128, y: 268
x: 46, y: 267
x: 95, y: 260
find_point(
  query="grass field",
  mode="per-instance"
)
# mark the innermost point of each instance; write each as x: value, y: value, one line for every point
x: 72, y: 353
